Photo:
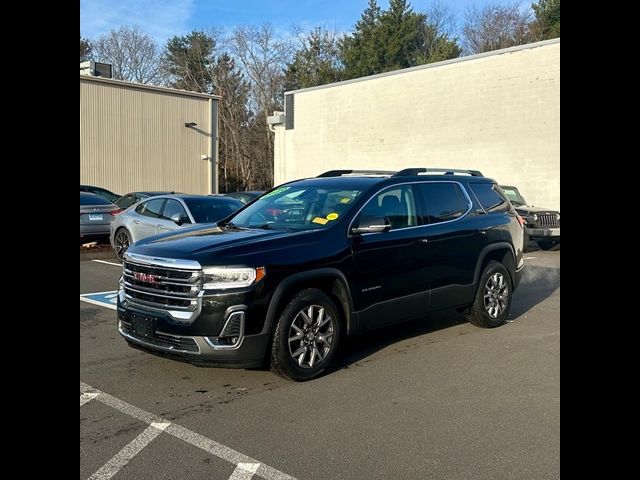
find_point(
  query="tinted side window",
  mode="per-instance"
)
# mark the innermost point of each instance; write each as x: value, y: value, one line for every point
x: 443, y: 201
x: 397, y: 204
x: 172, y: 207
x: 152, y: 208
x: 490, y: 197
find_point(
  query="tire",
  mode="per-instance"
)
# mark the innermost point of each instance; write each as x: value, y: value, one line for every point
x: 495, y: 281
x: 121, y: 237
x: 296, y: 359
x: 546, y: 244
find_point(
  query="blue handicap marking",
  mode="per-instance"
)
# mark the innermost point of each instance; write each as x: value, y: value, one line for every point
x: 104, y: 299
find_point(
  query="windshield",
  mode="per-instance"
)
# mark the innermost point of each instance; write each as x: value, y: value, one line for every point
x: 513, y: 195
x: 297, y: 208
x: 211, y: 209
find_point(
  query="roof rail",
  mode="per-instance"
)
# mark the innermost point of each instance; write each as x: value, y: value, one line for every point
x: 407, y: 172
x: 339, y: 173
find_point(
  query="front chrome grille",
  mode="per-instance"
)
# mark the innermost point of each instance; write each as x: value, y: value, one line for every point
x: 160, y: 286
x: 548, y: 220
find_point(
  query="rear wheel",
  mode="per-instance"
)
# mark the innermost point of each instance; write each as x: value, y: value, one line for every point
x: 121, y: 242
x: 493, y: 298
x: 547, y: 244
x: 306, y: 336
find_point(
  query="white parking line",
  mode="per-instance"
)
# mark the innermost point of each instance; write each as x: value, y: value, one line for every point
x: 189, y: 436
x: 108, y: 263
x: 529, y: 258
x: 244, y: 471
x: 85, y: 397
x: 121, y: 458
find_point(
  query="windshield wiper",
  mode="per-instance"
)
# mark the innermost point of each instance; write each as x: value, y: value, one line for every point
x: 229, y: 225
x: 264, y: 226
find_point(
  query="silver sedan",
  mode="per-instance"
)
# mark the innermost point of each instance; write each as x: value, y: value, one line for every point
x: 164, y: 213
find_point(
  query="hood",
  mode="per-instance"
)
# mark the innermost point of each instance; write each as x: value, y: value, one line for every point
x: 202, y: 243
x: 525, y: 209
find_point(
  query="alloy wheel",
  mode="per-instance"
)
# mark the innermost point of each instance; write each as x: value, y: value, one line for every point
x: 122, y: 243
x: 496, y: 293
x: 311, y: 336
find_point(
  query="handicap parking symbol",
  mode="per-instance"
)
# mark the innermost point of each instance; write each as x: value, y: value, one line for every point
x: 104, y: 299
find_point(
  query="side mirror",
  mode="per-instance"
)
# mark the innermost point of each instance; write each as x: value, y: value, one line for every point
x: 371, y: 224
x: 177, y: 219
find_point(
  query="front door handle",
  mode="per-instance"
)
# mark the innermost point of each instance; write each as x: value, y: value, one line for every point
x: 137, y: 222
x: 162, y: 227
x: 481, y: 233
x: 422, y: 240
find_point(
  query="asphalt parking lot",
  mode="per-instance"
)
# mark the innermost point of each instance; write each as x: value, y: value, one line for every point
x: 432, y: 399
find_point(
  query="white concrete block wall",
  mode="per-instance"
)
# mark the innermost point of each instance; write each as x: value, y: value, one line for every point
x: 498, y: 113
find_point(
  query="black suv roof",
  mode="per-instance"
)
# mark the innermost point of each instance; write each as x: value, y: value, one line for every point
x: 367, y: 178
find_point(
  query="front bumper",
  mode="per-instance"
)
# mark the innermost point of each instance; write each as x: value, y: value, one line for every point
x: 198, y: 350
x: 195, y: 341
x: 544, y: 232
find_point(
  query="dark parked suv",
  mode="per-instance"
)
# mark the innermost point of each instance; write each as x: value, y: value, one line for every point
x: 541, y: 224
x: 288, y: 276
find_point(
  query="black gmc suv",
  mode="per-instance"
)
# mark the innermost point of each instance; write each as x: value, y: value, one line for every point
x: 288, y: 276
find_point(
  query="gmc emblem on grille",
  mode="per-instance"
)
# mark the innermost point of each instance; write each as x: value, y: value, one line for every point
x: 145, y: 277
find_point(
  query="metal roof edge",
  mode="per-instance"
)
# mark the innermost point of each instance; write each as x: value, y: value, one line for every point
x: 142, y: 86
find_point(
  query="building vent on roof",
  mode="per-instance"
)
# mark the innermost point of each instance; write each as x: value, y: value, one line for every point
x: 96, y: 69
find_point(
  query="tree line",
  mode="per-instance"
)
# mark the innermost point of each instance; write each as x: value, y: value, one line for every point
x: 251, y: 67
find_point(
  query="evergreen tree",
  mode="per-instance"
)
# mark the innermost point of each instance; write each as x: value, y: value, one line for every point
x: 317, y: 62
x: 547, y: 21
x: 85, y: 49
x: 393, y: 39
x: 188, y: 59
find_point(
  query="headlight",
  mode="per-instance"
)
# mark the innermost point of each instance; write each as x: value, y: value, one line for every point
x: 231, y: 277
x: 558, y: 217
x: 534, y: 217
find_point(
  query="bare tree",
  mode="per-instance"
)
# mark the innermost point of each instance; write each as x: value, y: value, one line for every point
x: 495, y: 26
x: 262, y: 56
x: 135, y: 56
x: 442, y: 18
x: 439, y: 33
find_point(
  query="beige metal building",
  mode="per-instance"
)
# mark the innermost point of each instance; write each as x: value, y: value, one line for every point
x: 497, y: 112
x: 137, y: 137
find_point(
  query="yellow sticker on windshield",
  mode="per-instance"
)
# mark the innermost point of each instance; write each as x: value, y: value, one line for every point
x: 332, y: 216
x: 321, y: 221
x: 345, y: 200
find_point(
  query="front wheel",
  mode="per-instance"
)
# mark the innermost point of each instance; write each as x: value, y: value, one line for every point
x: 121, y: 243
x: 547, y: 244
x: 306, y: 336
x: 493, y: 298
